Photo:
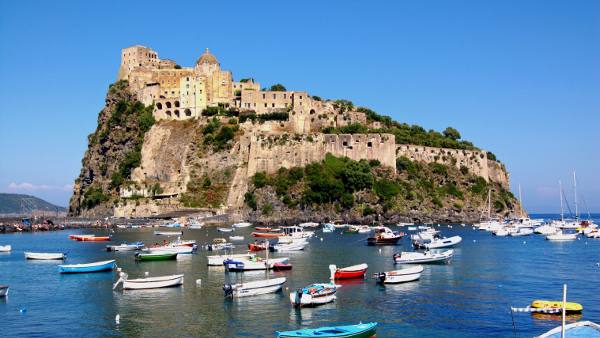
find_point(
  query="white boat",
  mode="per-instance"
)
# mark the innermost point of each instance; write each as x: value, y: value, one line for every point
x: 148, y: 283
x: 260, y: 287
x: 241, y: 225
x: 364, y: 229
x: 125, y: 247
x: 172, y: 249
x: 545, y: 229
x: 196, y: 225
x: 309, y: 225
x: 503, y: 232
x: 220, y: 244
x: 423, y: 257
x: 522, y: 232
x: 3, y: 290
x: 593, y: 234
x: 296, y: 232
x: 579, y: 329
x: 405, y: 224
x: 294, y: 246
x: 236, y: 238
x: 412, y: 228
x: 225, y: 229
x: 168, y: 233
x: 399, y: 276
x: 290, y: 240
x: 255, y: 263
x: 5, y: 248
x: 44, y: 255
x: 560, y: 236
x: 328, y: 227
x: 314, y: 294
x: 428, y: 240
x: 218, y: 260
x: 423, y: 227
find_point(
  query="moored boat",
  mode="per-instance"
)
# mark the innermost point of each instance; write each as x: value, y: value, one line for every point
x: 219, y: 244
x: 218, y: 260
x: 366, y: 330
x: 314, y: 294
x: 168, y: 233
x: 284, y: 247
x: 255, y: 263
x: 236, y: 238
x: 45, y: 255
x: 5, y: 248
x: 423, y: 257
x: 267, y: 234
x: 385, y: 236
x: 88, y: 267
x: 262, y: 228
x: 256, y: 246
x: 172, y: 248
x: 282, y: 267
x: 399, y: 276
x: 570, y: 307
x: 328, y: 227
x: 355, y: 271
x: 225, y: 229
x: 260, y: 287
x: 77, y: 237
x: 522, y: 232
x: 93, y: 239
x: 579, y: 329
x: 125, y: 247
x: 148, y: 283
x: 309, y: 225
x: 155, y: 256
x: 3, y: 290
x: 241, y: 225
x: 561, y: 236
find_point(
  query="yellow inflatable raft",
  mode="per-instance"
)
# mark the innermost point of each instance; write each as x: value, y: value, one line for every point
x: 553, y: 304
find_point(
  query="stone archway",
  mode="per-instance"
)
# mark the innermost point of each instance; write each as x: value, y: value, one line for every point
x: 188, y: 112
x: 168, y: 113
x: 177, y: 113
x: 159, y: 106
x: 168, y: 104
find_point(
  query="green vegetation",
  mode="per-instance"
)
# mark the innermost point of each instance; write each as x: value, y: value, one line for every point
x: 208, y: 190
x: 278, y: 88
x: 93, y: 196
x: 177, y: 67
x: 217, y: 135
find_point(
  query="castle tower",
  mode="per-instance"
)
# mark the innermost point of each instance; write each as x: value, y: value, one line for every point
x: 135, y: 57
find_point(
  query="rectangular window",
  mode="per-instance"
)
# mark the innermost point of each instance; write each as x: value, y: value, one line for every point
x: 265, y: 105
x: 285, y: 96
x: 274, y: 96
x: 273, y: 105
x: 264, y: 96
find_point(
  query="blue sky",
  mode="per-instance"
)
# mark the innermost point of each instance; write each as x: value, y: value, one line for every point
x: 519, y: 78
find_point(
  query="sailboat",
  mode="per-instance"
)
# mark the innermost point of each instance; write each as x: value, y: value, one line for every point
x: 490, y: 224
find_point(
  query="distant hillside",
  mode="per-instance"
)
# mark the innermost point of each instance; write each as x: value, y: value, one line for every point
x: 24, y: 204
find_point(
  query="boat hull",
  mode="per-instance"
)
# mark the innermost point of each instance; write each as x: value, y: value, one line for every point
x: 153, y: 256
x: 44, y: 256
x: 266, y: 234
x: 3, y: 290
x: 424, y: 258
x: 153, y: 283
x: 5, y: 248
x: 219, y: 259
x: 254, y: 288
x: 86, y: 268
x: 367, y: 330
x: 383, y: 241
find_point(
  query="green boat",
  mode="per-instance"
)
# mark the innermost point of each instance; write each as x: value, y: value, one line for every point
x: 155, y: 256
x: 366, y: 330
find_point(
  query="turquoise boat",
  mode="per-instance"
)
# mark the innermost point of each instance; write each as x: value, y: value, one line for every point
x: 581, y: 329
x: 366, y: 330
x: 89, y: 267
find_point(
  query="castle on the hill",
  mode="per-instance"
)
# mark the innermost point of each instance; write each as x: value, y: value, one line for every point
x: 180, y: 93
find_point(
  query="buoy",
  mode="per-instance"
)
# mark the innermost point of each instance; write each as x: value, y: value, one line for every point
x: 321, y: 239
x: 22, y: 311
x: 524, y: 242
x: 117, y: 319
x: 146, y: 273
x: 474, y: 241
x: 380, y: 250
x: 198, y: 282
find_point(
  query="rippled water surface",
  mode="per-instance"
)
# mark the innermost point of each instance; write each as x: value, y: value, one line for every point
x: 468, y: 298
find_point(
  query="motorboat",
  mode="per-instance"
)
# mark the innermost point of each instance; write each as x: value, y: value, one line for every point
x: 77, y: 237
x: 401, y: 224
x: 561, y: 236
x: 263, y: 228
x: 3, y: 290
x: 258, y: 246
x: 435, y: 241
x: 385, y: 236
x: 149, y: 282
x: 171, y: 225
x: 294, y: 246
x: 309, y: 225
x: 399, y: 276
x: 522, y: 232
x: 45, y: 255
x: 364, y: 229
x: 290, y: 240
x: 296, y: 232
x: 236, y: 238
x: 345, y: 331
x: 195, y: 225
x: 168, y: 233
x: 254, y: 288
x: 156, y: 256
x: 255, y: 263
x: 219, y: 244
x: 182, y: 242
x: 423, y: 257
x: 355, y: 271
x: 546, y: 229
x: 88, y: 267
x: 5, y: 248
x: 217, y: 260
x: 125, y: 247
x: 282, y: 267
x: 412, y: 228
x: 241, y: 225
x: 593, y: 234
x: 314, y: 294
x: 502, y: 232
x: 93, y: 239
x: 579, y: 329
x: 352, y: 229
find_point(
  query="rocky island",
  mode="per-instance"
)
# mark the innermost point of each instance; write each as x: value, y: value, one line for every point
x: 173, y: 138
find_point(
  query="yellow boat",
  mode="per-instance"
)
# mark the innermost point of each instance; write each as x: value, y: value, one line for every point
x: 553, y: 304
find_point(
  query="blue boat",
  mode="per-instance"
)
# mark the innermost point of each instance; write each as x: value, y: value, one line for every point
x: 366, y: 330
x: 88, y: 267
x: 581, y: 329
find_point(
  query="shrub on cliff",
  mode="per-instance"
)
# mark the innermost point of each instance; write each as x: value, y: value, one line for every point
x: 93, y: 196
x: 278, y: 88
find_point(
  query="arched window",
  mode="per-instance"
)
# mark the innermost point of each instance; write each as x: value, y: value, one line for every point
x: 312, y: 111
x: 168, y: 104
x: 177, y: 112
x: 159, y: 106
x: 177, y: 104
x: 188, y: 112
x: 168, y: 113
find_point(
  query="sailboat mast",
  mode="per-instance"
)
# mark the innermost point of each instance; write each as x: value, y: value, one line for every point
x: 575, y: 193
x: 560, y: 193
x: 520, y: 201
x: 489, y: 204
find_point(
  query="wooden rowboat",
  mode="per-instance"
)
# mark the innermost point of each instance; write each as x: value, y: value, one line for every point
x: 156, y: 256
x: 44, y: 255
x: 355, y: 271
x: 94, y: 239
x: 267, y: 234
x: 148, y: 283
x: 367, y: 330
x: 87, y: 267
x: 262, y: 228
x: 260, y: 287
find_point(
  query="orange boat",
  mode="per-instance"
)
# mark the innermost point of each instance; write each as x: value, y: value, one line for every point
x: 94, y: 239
x: 262, y: 228
x: 254, y: 247
x: 267, y: 234
x: 77, y: 237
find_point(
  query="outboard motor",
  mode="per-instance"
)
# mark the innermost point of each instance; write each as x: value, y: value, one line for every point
x: 380, y: 277
x: 396, y: 256
x: 228, y: 289
x: 298, y: 299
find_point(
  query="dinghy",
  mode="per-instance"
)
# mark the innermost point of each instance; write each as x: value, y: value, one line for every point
x: 570, y: 307
x: 219, y: 244
x: 282, y: 267
x: 255, y: 263
x: 314, y: 294
x: 125, y: 247
x: 181, y: 242
x: 367, y: 330
x: 241, y: 225
x: 168, y: 233
x: 355, y: 271
x: 328, y: 227
x: 3, y: 290
x: 155, y: 256
x: 77, y: 237
x: 560, y: 236
x: 399, y: 276
x: 423, y: 257
x: 364, y: 229
x: 256, y: 246
x: 236, y: 238
x: 580, y: 329
x: 5, y: 248
x: 263, y: 228
x: 267, y: 234
x: 225, y: 229
x: 87, y: 267
x: 309, y: 225
x: 148, y: 283
x: 522, y: 232
x: 260, y: 287
x: 218, y: 260
x: 172, y: 248
x: 44, y: 255
x: 290, y: 240
x: 294, y: 246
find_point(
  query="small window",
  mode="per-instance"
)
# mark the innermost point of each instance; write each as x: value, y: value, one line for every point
x: 345, y: 144
x: 274, y: 96
x: 264, y: 96
x: 273, y: 105
x: 369, y: 144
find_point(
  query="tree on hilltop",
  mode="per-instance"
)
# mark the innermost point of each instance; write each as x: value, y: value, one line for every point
x: 452, y: 133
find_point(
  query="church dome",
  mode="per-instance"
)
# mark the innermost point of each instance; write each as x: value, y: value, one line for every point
x: 207, y: 57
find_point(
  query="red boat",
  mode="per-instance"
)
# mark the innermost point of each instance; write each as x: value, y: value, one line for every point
x: 282, y: 266
x: 262, y: 228
x: 254, y: 247
x: 78, y: 237
x: 94, y: 239
x: 267, y: 234
x: 355, y: 271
